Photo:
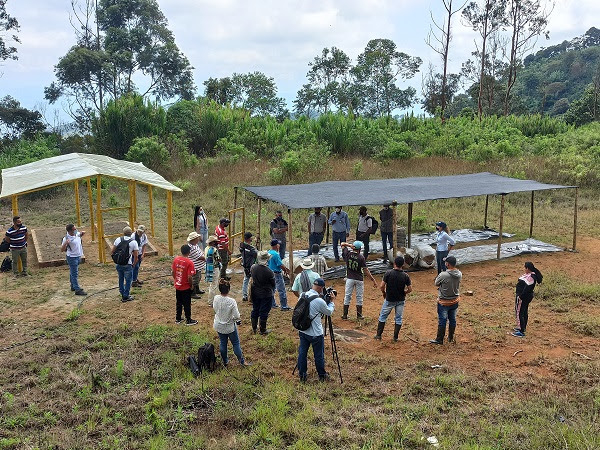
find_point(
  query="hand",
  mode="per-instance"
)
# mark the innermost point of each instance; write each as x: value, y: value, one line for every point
x: 238, y: 322
x: 347, y: 234
x: 333, y: 221
x: 374, y: 284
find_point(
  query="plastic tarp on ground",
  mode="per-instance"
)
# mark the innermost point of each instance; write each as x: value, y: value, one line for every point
x: 400, y: 190
x: 75, y: 166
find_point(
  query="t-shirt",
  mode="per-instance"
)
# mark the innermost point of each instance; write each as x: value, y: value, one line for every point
x: 355, y: 262
x: 74, y: 248
x: 317, y: 223
x: 275, y: 262
x: 182, y: 269
x: 278, y: 222
x: 364, y: 223
x: 17, y: 236
x: 395, y: 283
x: 312, y: 276
x: 223, y: 238
x: 141, y: 240
x: 133, y: 246
x: 196, y: 255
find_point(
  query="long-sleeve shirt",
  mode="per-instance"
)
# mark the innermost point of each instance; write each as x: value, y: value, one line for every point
x: 318, y: 308
x: 226, y: 314
x: 342, y: 222
x: 443, y: 239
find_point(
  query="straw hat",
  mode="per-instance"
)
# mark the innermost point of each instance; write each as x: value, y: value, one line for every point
x: 212, y: 239
x: 193, y: 235
x: 263, y: 257
x: 141, y: 228
x: 307, y: 263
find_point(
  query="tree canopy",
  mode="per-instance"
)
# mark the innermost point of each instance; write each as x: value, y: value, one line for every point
x: 8, y: 24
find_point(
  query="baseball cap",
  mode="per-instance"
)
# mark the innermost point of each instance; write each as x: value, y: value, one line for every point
x: 319, y: 282
x: 275, y: 242
x: 248, y: 235
x: 224, y: 220
x: 357, y: 244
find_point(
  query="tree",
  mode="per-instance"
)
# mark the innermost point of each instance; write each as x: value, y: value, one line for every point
x: 257, y: 93
x: 376, y: 73
x: 16, y: 121
x: 119, y: 41
x: 436, y: 91
x: 220, y: 90
x: 7, y: 23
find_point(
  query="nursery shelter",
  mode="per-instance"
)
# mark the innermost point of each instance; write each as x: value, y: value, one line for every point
x: 76, y: 167
x: 403, y: 191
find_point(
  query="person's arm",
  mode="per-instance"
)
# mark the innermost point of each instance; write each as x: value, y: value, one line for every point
x: 308, y: 225
x: 367, y: 272
x: 65, y: 244
x: 331, y: 219
x: 370, y: 226
x: 408, y: 289
x: 112, y: 249
x: 451, y: 241
x: 347, y: 225
x: 382, y: 286
x: 236, y: 312
x: 438, y: 279
x: 324, y: 225
x: 326, y: 309
x: 324, y: 262
x: 345, y: 244
x: 135, y: 257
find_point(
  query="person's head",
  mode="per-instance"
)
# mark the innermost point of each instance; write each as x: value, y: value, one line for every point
x: 319, y: 285
x: 213, y: 241
x: 357, y: 245
x: 315, y: 249
x: 248, y: 237
x: 441, y: 226
x: 71, y: 229
x: 17, y: 220
x: 362, y: 210
x: 386, y: 206
x: 338, y: 209
x: 185, y: 250
x: 141, y: 229
x: 450, y: 262
x: 193, y: 238
x: 263, y: 258
x: 399, y: 262
x: 197, y: 210
x: 279, y: 214
x: 127, y: 231
x: 224, y: 221
x: 529, y: 268
x: 275, y: 244
x: 307, y: 264
x: 318, y: 210
x: 224, y: 286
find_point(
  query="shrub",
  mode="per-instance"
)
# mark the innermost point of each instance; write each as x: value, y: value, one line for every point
x: 26, y: 151
x: 231, y: 151
x: 149, y: 151
x: 395, y: 150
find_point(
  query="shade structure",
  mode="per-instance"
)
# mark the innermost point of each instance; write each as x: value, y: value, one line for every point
x: 399, y: 190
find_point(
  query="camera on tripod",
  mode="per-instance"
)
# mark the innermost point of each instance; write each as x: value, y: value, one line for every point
x: 327, y: 294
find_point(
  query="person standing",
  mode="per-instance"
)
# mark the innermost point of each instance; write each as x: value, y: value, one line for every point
x: 182, y: 271
x: 276, y: 265
x: 213, y: 267
x: 223, y: 245
x: 319, y: 260
x: 316, y: 229
x: 201, y: 226
x: 448, y: 283
x: 142, y: 241
x: 197, y: 257
x: 364, y: 229
x: 227, y: 317
x: 71, y: 244
x: 16, y: 236
x: 278, y: 229
x: 313, y: 336
x: 394, y: 286
x: 524, y: 295
x: 126, y: 243
x: 386, y: 219
x: 445, y: 242
x: 261, y: 292
x: 249, y: 254
x: 304, y: 281
x: 340, y: 227
x: 355, y: 266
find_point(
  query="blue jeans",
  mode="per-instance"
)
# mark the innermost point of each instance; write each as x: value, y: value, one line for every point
x: 338, y: 237
x: 245, y: 284
x: 314, y: 238
x: 125, y: 277
x: 387, y: 236
x: 318, y: 345
x: 439, y: 259
x: 280, y: 288
x: 73, y: 262
x: 204, y: 234
x: 386, y: 309
x: 447, y: 313
x: 282, y: 249
x: 136, y: 269
x: 235, y: 341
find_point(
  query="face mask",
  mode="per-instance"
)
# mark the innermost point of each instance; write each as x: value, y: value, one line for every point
x: 338, y: 210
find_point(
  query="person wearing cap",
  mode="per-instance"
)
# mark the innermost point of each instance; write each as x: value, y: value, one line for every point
x: 201, y: 226
x: 182, y: 271
x: 278, y: 229
x: 316, y: 229
x: 448, y: 283
x: 356, y: 265
x: 71, y: 244
x: 363, y: 229
x: 445, y: 242
x: 313, y: 336
x: 213, y: 267
x: 197, y: 257
x: 276, y: 265
x: 319, y: 260
x: 223, y: 245
x: 142, y: 240
x: 261, y: 292
x: 394, y: 286
x: 304, y: 281
x: 125, y: 271
x: 249, y: 253
x: 340, y: 228
x: 386, y: 226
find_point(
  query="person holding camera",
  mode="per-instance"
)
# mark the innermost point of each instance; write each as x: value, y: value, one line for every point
x: 448, y: 283
x: 320, y: 305
x: 355, y: 266
x: 227, y: 318
x: 394, y: 286
x: 71, y: 244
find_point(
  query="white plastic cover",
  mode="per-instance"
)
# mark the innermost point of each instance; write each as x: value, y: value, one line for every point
x: 75, y: 166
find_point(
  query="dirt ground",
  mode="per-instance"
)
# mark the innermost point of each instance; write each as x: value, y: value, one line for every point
x: 485, y: 319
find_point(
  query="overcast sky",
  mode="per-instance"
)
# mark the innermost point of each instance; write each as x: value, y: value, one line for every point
x: 276, y: 37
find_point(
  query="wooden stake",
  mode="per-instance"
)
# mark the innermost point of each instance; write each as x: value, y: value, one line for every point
x: 99, y: 218
x: 487, y: 198
x: 258, y: 240
x: 291, y: 247
x: 394, y: 232
x: 77, y: 205
x: 91, y: 205
x: 327, y: 225
x: 409, y: 227
x: 151, y: 210
x: 501, y: 226
x: 531, y: 221
x: 131, y: 204
x: 170, y: 220
x: 575, y: 220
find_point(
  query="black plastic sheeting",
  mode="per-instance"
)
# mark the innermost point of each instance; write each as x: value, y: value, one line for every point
x: 400, y: 190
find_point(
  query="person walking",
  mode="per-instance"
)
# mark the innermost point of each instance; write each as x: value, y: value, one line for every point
x: 276, y: 265
x: 125, y: 244
x: 249, y: 254
x: 364, y: 229
x: 16, y: 236
x: 213, y: 267
x: 182, y: 271
x: 386, y: 226
x: 227, y: 318
x: 304, y: 281
x: 197, y: 257
x: 313, y: 336
x: 261, y: 292
x: 319, y: 260
x: 278, y: 229
x: 142, y: 241
x: 71, y: 244
x: 355, y: 266
x: 340, y: 227
x: 524, y: 295
x: 201, y: 226
x: 394, y: 286
x: 448, y: 283
x: 223, y: 245
x: 316, y: 229
x: 445, y: 242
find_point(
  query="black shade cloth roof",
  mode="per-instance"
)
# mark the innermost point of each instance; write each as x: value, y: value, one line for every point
x: 400, y: 190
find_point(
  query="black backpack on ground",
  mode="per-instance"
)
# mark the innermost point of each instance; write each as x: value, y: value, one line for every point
x: 6, y: 264
x: 374, y: 225
x: 206, y: 357
x: 301, y: 319
x: 121, y: 254
x: 4, y: 247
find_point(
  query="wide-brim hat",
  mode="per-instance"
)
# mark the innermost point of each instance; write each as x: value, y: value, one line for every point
x: 307, y: 263
x: 263, y: 257
x: 141, y: 228
x: 193, y: 235
x: 212, y: 239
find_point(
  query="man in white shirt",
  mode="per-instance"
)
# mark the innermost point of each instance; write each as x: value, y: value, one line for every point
x: 71, y: 244
x: 125, y: 270
x: 142, y: 242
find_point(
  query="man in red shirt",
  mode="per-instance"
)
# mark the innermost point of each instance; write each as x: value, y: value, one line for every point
x: 223, y: 245
x: 182, y: 271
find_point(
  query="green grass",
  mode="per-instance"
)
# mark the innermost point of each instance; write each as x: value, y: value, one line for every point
x: 561, y: 293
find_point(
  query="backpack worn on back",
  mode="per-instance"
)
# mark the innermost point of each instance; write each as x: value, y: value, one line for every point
x: 206, y: 357
x: 301, y: 319
x: 6, y: 265
x: 374, y: 225
x: 121, y: 254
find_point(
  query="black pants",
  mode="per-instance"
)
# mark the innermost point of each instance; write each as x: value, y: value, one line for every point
x: 224, y: 254
x: 387, y: 238
x: 522, y: 312
x: 184, y: 301
x: 364, y: 238
x: 261, y: 306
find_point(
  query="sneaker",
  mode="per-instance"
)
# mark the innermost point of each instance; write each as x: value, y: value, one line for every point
x: 139, y: 282
x: 191, y: 322
x: 245, y: 363
x: 136, y: 284
x: 377, y: 336
x: 80, y: 292
x: 286, y: 308
x: 518, y: 334
x: 127, y: 299
x: 178, y: 321
x: 73, y: 289
x: 200, y: 291
x: 324, y: 378
x: 275, y: 306
x: 196, y: 296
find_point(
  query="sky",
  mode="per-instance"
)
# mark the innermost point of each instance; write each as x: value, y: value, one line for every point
x: 276, y: 37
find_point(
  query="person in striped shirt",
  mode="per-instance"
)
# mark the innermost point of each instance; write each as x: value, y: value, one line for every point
x: 223, y: 245
x: 16, y: 236
x: 197, y: 256
x: 319, y: 260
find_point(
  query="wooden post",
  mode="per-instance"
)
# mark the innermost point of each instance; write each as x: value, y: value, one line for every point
x: 409, y: 227
x: 91, y: 205
x: 131, y: 205
x: 258, y: 240
x: 99, y: 218
x: 291, y: 247
x: 151, y: 210
x: 575, y: 220
x: 487, y: 198
x: 327, y: 225
x: 170, y: 220
x: 531, y: 221
x: 394, y: 232
x: 134, y: 197
x: 77, y: 205
x: 15, y: 205
x: 501, y: 226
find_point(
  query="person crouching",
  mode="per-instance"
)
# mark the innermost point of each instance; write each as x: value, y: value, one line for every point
x: 227, y: 317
